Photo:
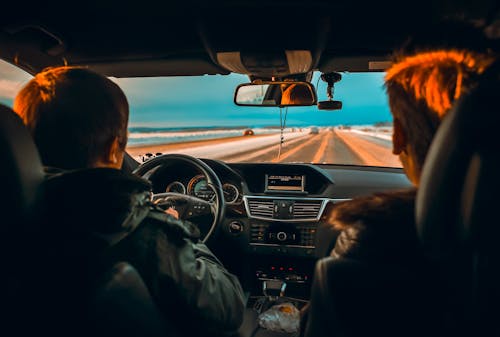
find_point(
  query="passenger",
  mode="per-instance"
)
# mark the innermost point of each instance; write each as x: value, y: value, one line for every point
x: 427, y: 76
x: 297, y: 94
x: 100, y: 215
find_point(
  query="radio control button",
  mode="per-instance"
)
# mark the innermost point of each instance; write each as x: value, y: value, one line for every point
x: 281, y: 236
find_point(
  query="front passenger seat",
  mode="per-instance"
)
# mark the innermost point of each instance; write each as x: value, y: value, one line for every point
x: 351, y: 298
x: 457, y: 209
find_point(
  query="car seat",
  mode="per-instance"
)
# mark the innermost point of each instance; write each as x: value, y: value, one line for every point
x: 22, y: 175
x: 352, y: 298
x: 122, y: 306
x: 21, y: 172
x: 456, y: 209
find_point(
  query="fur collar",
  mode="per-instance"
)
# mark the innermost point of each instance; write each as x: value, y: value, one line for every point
x: 379, y: 209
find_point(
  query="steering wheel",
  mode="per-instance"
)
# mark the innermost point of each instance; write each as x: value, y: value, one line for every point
x: 189, y: 206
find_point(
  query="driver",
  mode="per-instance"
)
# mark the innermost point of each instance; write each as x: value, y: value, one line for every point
x: 99, y: 215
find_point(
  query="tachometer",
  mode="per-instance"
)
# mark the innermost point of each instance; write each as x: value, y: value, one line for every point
x: 176, y: 187
x: 231, y: 193
x: 199, y: 188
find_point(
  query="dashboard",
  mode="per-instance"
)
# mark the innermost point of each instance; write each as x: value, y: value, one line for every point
x: 275, y: 223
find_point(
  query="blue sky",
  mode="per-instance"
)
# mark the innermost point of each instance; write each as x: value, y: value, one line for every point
x: 208, y: 101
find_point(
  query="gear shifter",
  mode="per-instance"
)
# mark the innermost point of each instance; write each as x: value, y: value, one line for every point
x: 273, y: 289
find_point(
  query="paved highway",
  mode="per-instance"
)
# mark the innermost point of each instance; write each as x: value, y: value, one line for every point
x: 329, y: 146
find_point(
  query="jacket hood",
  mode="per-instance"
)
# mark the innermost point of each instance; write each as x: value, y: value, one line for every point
x: 101, y: 200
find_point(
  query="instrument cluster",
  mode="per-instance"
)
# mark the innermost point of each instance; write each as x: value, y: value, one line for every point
x: 198, y: 186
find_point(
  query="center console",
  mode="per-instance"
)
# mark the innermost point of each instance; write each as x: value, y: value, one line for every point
x: 281, y: 212
x: 282, y: 238
x: 278, y: 223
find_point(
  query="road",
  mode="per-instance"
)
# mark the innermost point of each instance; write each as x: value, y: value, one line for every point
x: 329, y: 146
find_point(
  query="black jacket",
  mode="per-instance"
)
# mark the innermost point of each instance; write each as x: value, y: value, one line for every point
x: 98, y: 217
x: 394, y: 282
x: 379, y: 227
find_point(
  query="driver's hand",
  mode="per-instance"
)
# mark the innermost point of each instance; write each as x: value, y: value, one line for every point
x: 172, y: 212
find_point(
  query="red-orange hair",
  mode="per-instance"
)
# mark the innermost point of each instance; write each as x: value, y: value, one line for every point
x: 423, y: 87
x: 438, y: 77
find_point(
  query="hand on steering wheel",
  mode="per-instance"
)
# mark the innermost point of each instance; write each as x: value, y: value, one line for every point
x: 172, y: 212
x: 188, y: 206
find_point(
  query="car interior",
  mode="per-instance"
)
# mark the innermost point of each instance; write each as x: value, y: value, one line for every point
x: 266, y: 221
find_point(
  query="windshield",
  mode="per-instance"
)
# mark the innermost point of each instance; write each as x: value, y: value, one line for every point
x: 197, y: 116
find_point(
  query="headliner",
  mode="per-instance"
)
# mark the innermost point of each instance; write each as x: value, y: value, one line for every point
x: 144, y: 38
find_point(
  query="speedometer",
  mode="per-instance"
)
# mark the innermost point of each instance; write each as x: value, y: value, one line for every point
x: 199, y: 188
x: 231, y: 193
x: 176, y: 187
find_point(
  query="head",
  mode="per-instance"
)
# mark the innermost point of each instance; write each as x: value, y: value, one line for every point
x: 426, y: 78
x: 78, y: 118
x: 297, y: 94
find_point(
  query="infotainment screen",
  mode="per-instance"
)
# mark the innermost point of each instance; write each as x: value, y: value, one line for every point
x: 293, y: 183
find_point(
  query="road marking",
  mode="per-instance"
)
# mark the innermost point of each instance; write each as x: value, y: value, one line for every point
x: 342, y: 153
x: 218, y: 147
x: 371, y: 153
x: 296, y: 149
x: 253, y: 155
x: 322, y: 148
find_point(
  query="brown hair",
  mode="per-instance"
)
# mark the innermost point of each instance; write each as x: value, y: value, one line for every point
x: 423, y: 87
x: 74, y: 115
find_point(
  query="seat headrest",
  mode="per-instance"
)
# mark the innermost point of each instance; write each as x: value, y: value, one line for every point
x: 460, y: 184
x: 21, y: 170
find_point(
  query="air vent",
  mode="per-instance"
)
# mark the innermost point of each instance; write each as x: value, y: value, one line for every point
x: 261, y: 208
x: 305, y: 209
x: 284, y: 209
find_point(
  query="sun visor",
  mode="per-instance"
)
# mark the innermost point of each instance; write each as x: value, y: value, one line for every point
x: 194, y: 66
x: 354, y: 63
x: 267, y: 64
x: 232, y: 61
x: 299, y: 61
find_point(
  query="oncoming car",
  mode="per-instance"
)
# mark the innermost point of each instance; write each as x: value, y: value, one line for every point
x: 180, y: 67
x: 314, y: 130
x: 248, y: 132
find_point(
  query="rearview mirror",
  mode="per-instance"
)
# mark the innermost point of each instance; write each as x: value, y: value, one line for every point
x: 272, y: 94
